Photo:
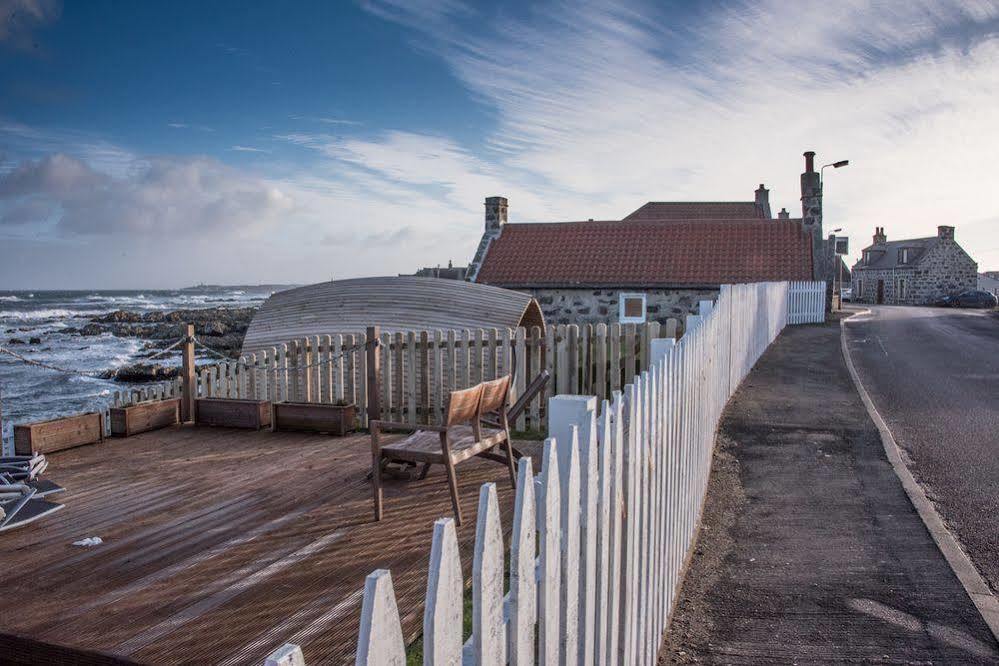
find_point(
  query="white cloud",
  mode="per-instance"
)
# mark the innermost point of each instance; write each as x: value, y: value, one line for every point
x: 608, y: 106
x: 161, y: 197
x: 248, y: 149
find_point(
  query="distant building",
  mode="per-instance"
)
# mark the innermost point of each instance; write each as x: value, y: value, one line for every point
x: 914, y: 271
x: 657, y: 262
x: 452, y: 272
x: 989, y: 281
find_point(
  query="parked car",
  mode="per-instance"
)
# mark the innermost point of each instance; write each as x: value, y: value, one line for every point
x: 847, y: 293
x: 970, y: 299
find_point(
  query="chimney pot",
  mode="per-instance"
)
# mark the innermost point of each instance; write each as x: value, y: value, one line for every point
x: 945, y: 232
x: 879, y: 236
x: 809, y: 161
x: 783, y: 214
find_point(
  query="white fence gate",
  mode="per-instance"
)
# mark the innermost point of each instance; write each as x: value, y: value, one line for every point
x: 600, y: 538
x: 806, y: 302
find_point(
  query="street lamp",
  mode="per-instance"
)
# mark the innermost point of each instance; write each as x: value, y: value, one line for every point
x: 839, y: 265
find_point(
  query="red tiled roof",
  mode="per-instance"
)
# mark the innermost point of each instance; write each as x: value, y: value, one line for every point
x: 703, y: 252
x: 697, y: 210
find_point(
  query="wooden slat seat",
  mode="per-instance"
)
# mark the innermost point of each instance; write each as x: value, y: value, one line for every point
x: 462, y: 437
x: 425, y: 445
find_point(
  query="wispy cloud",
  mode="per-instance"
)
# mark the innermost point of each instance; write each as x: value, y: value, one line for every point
x: 20, y: 18
x: 248, y: 149
x: 610, y: 105
x: 200, y: 128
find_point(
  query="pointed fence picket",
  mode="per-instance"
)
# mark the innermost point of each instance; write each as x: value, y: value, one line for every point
x: 600, y: 539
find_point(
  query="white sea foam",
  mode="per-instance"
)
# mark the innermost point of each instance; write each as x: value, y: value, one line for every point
x: 10, y: 299
x: 47, y: 313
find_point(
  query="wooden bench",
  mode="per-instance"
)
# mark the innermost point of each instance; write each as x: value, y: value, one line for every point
x: 462, y: 437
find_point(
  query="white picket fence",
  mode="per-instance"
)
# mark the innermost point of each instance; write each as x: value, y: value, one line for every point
x: 806, y: 303
x: 600, y: 539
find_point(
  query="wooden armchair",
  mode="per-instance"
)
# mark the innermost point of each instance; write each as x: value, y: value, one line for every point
x: 460, y: 438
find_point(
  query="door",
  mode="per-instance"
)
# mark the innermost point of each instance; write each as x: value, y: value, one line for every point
x: 881, y: 291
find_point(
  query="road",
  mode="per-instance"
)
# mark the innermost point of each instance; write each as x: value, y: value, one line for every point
x: 933, y: 374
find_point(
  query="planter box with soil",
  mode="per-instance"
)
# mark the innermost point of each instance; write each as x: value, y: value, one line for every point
x: 314, y: 417
x: 144, y: 416
x: 231, y: 413
x: 58, y: 434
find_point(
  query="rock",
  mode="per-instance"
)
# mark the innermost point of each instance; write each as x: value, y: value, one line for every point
x: 91, y: 329
x: 118, y: 316
x: 34, y: 340
x: 142, y: 372
x: 15, y: 341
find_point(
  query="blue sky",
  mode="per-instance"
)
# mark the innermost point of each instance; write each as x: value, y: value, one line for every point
x: 164, y: 144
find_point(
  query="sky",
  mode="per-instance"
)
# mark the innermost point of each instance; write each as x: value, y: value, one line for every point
x: 164, y: 144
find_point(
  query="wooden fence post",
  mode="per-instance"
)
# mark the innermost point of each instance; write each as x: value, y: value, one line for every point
x: 187, y: 376
x: 374, y: 368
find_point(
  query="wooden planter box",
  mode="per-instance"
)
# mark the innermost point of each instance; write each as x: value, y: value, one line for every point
x: 314, y: 417
x: 231, y: 413
x: 144, y: 416
x: 58, y: 434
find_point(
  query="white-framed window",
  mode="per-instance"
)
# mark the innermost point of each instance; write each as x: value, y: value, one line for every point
x: 903, y: 255
x: 901, y: 289
x: 860, y: 289
x: 631, y: 309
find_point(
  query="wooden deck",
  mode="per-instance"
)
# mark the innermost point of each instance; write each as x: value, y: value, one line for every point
x: 220, y: 546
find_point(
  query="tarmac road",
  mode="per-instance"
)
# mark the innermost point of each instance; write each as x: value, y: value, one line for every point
x: 933, y: 374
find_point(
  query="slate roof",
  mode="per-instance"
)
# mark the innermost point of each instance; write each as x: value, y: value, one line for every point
x: 648, y: 253
x: 884, y: 256
x: 697, y: 210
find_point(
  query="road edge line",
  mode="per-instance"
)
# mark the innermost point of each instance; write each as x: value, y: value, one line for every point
x: 972, y: 582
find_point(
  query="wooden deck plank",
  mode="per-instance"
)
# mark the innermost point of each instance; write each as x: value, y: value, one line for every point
x: 221, y: 545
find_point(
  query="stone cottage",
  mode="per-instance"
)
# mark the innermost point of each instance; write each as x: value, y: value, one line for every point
x: 913, y: 271
x: 657, y: 262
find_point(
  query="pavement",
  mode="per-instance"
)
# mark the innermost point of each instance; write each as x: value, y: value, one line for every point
x: 809, y: 550
x: 933, y: 375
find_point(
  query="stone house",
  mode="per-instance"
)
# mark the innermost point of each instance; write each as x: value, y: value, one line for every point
x: 913, y: 271
x: 654, y: 264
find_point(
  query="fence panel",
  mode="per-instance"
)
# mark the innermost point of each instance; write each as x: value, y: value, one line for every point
x: 617, y: 505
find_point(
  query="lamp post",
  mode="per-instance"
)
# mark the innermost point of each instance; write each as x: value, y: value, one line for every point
x: 839, y: 271
x: 839, y: 262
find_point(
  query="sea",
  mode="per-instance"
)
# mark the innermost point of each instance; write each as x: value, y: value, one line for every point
x: 30, y: 393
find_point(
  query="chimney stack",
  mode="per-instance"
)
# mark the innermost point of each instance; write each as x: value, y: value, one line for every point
x: 946, y: 233
x: 783, y: 214
x: 811, y: 195
x: 495, y: 213
x: 763, y: 201
x: 879, y: 236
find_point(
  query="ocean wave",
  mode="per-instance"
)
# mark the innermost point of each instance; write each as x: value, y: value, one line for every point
x: 10, y: 299
x: 46, y: 313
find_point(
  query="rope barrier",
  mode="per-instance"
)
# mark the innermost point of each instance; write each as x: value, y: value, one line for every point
x: 343, y: 353
x: 47, y: 366
x: 99, y: 374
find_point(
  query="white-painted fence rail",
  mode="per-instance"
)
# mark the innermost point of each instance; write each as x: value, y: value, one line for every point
x: 600, y: 539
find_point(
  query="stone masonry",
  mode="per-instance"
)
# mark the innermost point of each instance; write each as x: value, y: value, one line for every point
x: 596, y: 305
x: 942, y: 269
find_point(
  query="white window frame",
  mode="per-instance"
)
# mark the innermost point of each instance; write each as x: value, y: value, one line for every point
x: 632, y: 320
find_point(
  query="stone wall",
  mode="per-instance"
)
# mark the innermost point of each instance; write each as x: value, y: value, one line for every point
x: 593, y: 306
x: 945, y: 269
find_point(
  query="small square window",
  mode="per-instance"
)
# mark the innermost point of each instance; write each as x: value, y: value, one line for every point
x: 632, y: 309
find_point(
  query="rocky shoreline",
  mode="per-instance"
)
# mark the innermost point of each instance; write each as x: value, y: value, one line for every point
x: 220, y: 328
